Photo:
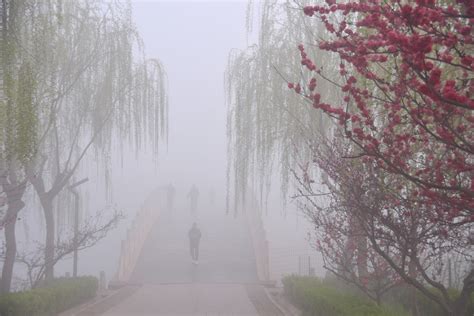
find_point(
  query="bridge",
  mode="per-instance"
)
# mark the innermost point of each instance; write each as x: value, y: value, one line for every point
x: 157, y: 277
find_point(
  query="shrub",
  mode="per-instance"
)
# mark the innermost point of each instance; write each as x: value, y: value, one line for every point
x: 403, y: 296
x: 315, y: 298
x: 50, y: 299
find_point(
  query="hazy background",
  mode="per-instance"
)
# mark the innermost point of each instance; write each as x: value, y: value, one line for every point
x: 193, y: 40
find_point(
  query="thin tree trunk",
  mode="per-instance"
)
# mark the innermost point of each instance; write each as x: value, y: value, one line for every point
x: 14, y: 191
x: 10, y: 254
x: 460, y: 305
x: 50, y: 235
x: 414, y: 297
x: 46, y: 199
x: 10, y: 241
x: 362, y: 251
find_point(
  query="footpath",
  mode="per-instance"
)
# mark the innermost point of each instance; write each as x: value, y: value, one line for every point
x: 165, y: 282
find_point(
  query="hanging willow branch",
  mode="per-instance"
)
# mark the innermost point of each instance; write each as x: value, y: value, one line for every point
x: 265, y: 122
x: 80, y: 83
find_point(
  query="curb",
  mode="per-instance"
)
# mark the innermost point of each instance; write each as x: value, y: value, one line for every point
x: 284, y: 311
x: 277, y: 305
x: 78, y: 309
x: 99, y: 299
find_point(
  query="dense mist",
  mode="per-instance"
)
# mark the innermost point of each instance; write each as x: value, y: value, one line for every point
x: 236, y: 157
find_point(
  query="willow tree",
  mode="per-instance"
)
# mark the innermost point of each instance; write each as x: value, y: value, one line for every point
x: 93, y: 88
x: 18, y: 126
x: 267, y: 125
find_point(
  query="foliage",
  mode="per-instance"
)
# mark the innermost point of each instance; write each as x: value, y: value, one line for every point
x: 315, y: 297
x: 94, y: 86
x: 407, y: 122
x: 413, y: 94
x: 265, y: 123
x: 18, y: 113
x: 405, y: 296
x: 18, y: 125
x: 52, y: 298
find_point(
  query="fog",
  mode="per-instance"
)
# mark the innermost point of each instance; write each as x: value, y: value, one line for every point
x: 260, y: 240
x: 243, y: 157
x: 195, y: 55
x: 195, y: 152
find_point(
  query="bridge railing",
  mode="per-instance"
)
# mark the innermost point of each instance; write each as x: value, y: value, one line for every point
x: 259, y: 239
x: 137, y: 234
x: 275, y: 257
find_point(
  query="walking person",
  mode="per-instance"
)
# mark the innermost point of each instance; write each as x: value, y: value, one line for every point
x: 193, y: 196
x: 194, y: 235
x: 170, y: 192
x: 212, y: 197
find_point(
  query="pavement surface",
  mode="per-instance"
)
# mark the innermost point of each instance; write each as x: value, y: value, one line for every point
x: 186, y: 299
x: 166, y: 282
x: 225, y: 254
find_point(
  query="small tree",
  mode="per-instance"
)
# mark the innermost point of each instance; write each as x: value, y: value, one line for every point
x: 338, y: 212
x: 89, y: 234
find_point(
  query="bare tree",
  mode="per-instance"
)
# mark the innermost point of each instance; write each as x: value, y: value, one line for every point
x: 89, y: 234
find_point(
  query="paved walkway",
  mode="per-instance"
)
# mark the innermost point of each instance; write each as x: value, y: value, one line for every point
x: 186, y: 299
x: 225, y: 255
x: 167, y: 283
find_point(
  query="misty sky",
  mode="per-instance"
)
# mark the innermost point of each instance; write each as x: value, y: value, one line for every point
x: 193, y: 40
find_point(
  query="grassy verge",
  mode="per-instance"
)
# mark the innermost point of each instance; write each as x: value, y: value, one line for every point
x: 315, y: 298
x: 50, y: 299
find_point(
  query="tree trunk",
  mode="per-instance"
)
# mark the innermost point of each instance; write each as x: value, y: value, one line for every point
x: 46, y: 198
x: 362, y: 252
x: 10, y: 241
x: 14, y: 191
x: 414, y: 297
x: 50, y: 233
x: 460, y: 305
x: 359, y: 240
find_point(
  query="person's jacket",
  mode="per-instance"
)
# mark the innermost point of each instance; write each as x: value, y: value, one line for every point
x: 194, y: 235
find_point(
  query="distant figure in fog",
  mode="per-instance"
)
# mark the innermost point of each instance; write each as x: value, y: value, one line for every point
x: 194, y: 235
x: 193, y: 196
x: 170, y: 192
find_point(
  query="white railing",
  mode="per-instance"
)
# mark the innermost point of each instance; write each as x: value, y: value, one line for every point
x: 137, y: 234
x: 259, y: 239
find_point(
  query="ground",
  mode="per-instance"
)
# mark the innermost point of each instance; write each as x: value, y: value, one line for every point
x: 166, y: 282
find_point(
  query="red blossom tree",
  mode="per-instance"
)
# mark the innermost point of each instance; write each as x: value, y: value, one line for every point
x: 406, y: 72
x: 342, y: 218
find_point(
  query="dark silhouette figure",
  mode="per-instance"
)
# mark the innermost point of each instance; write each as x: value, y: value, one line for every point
x: 212, y: 197
x: 194, y: 235
x: 193, y: 196
x: 170, y: 192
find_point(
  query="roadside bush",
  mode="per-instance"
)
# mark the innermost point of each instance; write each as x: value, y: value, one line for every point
x: 315, y: 298
x: 50, y: 299
x: 406, y: 297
